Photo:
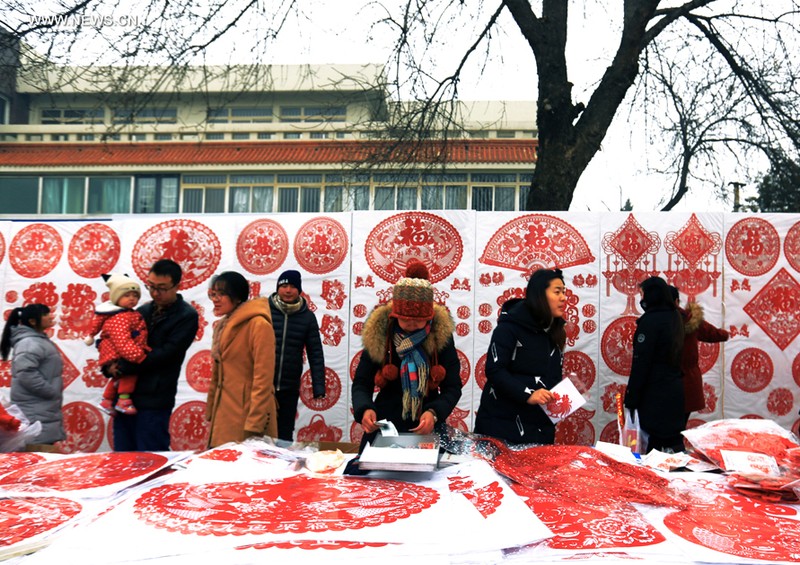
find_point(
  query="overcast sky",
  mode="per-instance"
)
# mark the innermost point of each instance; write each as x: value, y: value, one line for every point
x: 341, y: 31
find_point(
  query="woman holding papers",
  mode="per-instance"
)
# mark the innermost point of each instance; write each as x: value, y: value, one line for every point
x: 524, y: 362
x: 410, y: 356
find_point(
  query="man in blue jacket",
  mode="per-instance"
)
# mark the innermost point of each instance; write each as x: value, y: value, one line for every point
x: 296, y: 328
x: 171, y: 329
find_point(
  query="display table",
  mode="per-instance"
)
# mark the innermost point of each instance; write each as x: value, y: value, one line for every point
x: 255, y: 502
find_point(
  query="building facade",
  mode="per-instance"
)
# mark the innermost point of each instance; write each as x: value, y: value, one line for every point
x: 79, y: 142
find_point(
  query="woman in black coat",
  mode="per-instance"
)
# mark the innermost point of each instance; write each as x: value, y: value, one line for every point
x: 524, y: 363
x: 655, y: 386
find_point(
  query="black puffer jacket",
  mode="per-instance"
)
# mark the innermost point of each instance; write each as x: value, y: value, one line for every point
x: 293, y: 332
x: 655, y: 386
x: 521, y: 359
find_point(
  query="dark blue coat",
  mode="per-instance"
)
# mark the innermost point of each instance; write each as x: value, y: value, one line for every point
x: 521, y: 359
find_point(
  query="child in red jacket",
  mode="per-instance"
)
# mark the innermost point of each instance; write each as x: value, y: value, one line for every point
x: 122, y: 335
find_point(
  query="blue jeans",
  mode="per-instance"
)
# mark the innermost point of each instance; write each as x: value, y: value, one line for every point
x: 148, y: 430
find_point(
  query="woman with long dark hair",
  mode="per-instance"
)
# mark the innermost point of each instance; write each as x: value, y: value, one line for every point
x: 36, y: 372
x: 524, y: 362
x: 655, y: 386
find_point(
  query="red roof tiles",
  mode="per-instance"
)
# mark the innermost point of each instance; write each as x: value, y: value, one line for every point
x: 489, y: 151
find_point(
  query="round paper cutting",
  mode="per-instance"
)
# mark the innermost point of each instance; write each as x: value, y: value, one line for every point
x: 93, y: 250
x: 262, y: 246
x: 293, y: 505
x: 752, y: 246
x: 194, y: 246
x: 35, y: 251
x: 414, y: 235
x: 321, y: 245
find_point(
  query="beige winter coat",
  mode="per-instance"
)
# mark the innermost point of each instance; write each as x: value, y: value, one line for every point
x: 241, y: 397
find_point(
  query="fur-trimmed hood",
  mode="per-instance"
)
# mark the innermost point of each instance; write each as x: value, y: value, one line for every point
x: 692, y: 317
x: 376, y: 327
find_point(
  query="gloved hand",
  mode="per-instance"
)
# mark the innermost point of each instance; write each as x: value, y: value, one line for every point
x: 9, y: 423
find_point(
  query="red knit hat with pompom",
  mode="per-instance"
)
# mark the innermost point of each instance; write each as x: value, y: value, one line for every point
x: 412, y: 295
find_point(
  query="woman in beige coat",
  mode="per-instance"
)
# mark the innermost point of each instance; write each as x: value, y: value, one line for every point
x: 241, y: 397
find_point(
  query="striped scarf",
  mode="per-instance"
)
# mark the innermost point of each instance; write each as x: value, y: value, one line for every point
x: 413, y: 369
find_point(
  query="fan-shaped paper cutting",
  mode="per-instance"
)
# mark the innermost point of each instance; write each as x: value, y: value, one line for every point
x: 536, y: 241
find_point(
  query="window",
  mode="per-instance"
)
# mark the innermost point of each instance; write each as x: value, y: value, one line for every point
x: 287, y: 199
x: 504, y: 198
x: 384, y: 198
x: 407, y: 198
x: 240, y: 135
x: 109, y: 195
x: 487, y: 198
x: 298, y: 199
x: 4, y: 109
x: 264, y: 135
x: 85, y: 137
x: 215, y: 136
x: 290, y: 114
x: 59, y: 137
x: 309, y: 199
x: 334, y: 198
x: 432, y: 196
x: 63, y: 195
x: 502, y: 134
x: 359, y: 197
x: 203, y: 200
x: 156, y: 195
x: 19, y: 195
x: 72, y: 116
x: 163, y: 137
x: 291, y: 135
x: 319, y: 135
x: 240, y: 199
x: 145, y: 115
x: 524, y: 190
x: 482, y: 198
x: 241, y: 115
x: 455, y: 197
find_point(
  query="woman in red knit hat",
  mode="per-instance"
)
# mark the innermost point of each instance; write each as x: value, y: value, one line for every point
x: 410, y: 356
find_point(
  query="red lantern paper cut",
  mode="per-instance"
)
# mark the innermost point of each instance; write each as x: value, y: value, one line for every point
x: 692, y: 258
x: 630, y: 259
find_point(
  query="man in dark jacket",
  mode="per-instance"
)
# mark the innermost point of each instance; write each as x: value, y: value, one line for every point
x: 296, y: 328
x: 171, y: 329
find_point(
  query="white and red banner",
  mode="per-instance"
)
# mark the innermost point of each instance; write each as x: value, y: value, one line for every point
x: 743, y: 269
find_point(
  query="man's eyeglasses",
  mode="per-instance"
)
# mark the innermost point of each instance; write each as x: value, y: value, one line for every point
x: 157, y: 289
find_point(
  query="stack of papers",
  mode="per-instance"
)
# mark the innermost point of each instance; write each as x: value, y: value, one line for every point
x: 404, y: 452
